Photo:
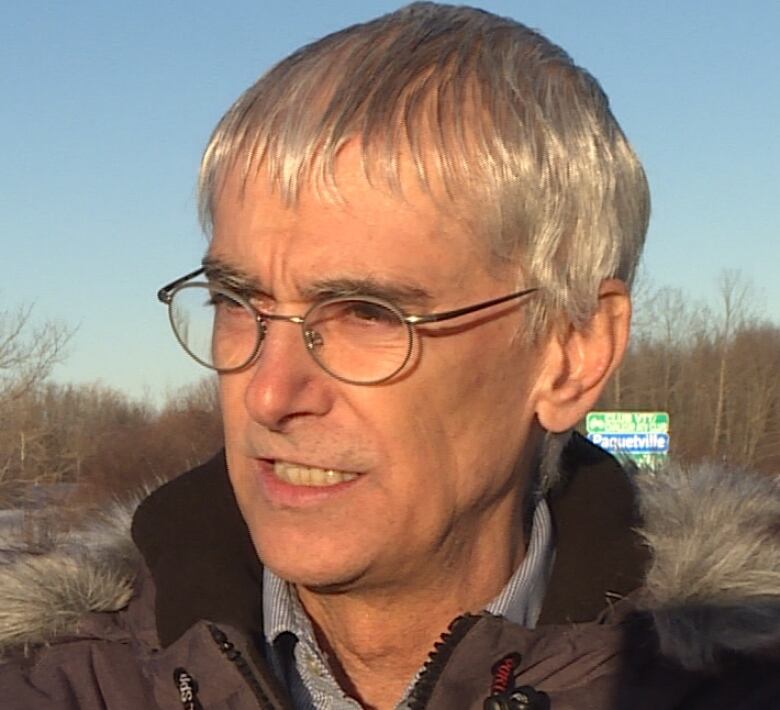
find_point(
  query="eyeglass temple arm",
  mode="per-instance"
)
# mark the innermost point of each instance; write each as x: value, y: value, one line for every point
x: 437, y: 317
x: 164, y: 294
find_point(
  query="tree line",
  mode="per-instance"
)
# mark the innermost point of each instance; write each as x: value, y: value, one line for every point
x: 90, y: 435
x: 715, y: 369
x: 102, y: 440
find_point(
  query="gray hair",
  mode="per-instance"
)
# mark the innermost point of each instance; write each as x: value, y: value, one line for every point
x: 501, y: 125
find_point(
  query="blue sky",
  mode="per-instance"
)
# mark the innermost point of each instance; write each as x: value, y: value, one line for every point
x: 106, y: 106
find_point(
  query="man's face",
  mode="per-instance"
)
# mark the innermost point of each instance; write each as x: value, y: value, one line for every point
x: 423, y: 471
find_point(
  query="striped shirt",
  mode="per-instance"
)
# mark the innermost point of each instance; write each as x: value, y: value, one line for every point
x: 301, y: 665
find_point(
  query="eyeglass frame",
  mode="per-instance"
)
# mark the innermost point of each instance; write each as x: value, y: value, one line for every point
x: 166, y: 293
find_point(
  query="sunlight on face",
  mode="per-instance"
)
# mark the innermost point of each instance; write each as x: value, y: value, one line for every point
x: 354, y: 486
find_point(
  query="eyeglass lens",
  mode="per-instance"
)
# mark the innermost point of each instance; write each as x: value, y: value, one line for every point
x: 357, y: 340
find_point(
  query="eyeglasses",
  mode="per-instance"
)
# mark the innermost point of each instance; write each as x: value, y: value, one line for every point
x: 360, y: 340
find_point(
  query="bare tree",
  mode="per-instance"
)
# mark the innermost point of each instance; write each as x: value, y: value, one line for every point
x: 754, y: 393
x: 735, y: 296
x: 28, y: 351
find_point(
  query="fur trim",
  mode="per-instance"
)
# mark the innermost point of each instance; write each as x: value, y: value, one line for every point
x: 49, y: 582
x: 714, y: 581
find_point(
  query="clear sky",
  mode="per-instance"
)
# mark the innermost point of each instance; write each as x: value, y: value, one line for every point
x: 106, y: 106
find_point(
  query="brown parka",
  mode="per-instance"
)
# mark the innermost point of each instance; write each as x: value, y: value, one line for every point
x: 683, y: 615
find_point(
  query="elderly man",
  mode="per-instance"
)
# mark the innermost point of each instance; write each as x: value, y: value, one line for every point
x: 423, y: 231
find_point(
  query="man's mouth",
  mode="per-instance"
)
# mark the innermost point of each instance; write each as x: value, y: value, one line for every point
x: 298, y: 475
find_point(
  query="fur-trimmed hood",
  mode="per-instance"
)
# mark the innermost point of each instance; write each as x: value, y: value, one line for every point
x: 49, y: 579
x: 713, y: 584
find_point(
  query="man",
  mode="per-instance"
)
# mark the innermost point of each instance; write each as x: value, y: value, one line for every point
x: 423, y: 231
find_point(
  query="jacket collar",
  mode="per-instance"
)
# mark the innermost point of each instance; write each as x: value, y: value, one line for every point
x: 198, y: 550
x: 599, y: 555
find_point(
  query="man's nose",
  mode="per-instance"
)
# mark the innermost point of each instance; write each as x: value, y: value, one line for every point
x: 286, y: 382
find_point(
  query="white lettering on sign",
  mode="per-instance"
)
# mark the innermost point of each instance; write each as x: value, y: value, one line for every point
x: 637, y: 443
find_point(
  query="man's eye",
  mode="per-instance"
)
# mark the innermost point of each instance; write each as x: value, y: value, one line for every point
x: 222, y: 301
x: 365, y: 311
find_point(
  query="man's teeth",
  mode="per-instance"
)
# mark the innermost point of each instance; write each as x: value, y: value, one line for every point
x: 309, y: 475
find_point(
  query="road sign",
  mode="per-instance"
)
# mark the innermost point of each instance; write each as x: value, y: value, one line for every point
x: 642, y: 437
x: 650, y: 443
x: 627, y: 422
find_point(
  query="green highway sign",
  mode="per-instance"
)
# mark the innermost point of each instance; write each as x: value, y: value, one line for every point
x: 627, y: 422
x: 640, y: 436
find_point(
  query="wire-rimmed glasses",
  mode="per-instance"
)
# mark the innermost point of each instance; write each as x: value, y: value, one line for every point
x: 361, y: 340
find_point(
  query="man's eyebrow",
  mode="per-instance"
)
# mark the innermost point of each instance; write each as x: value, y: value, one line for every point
x: 396, y: 292
x: 230, y: 276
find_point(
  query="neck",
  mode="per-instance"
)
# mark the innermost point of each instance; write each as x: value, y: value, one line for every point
x: 377, y: 638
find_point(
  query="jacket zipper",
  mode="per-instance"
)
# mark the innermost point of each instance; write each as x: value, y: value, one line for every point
x: 420, y: 693
x: 437, y: 659
x: 238, y: 660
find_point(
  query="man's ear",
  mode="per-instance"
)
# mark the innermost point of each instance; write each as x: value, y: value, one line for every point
x: 578, y: 362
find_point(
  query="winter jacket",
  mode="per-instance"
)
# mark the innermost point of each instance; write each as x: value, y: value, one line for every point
x: 683, y: 614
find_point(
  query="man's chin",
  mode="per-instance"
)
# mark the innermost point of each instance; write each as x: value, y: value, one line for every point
x: 315, y: 576
x: 312, y: 560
